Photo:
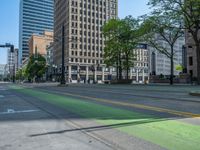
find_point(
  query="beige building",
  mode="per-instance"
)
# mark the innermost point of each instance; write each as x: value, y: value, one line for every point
x: 191, y: 55
x: 84, y: 41
x: 39, y: 43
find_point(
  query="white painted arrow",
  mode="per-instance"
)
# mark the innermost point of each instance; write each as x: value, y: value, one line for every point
x: 12, y: 111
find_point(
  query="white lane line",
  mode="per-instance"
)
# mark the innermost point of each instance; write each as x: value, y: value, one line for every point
x: 12, y: 111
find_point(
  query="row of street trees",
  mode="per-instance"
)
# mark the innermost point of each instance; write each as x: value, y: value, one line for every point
x: 167, y: 22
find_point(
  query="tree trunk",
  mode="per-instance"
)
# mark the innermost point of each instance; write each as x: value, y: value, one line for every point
x: 120, y: 72
x: 198, y: 62
x: 120, y: 67
x: 127, y: 71
x: 127, y: 67
x: 172, y: 66
x: 117, y: 68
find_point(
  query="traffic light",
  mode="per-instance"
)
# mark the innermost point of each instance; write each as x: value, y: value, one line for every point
x: 12, y: 48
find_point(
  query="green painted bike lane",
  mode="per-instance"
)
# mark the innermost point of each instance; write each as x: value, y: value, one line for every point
x: 169, y: 134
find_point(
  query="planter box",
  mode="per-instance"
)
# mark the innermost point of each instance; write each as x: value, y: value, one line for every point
x: 124, y: 81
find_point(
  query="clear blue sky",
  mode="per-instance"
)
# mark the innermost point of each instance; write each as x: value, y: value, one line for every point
x: 9, y: 19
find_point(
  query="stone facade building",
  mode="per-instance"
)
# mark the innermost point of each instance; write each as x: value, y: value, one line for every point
x: 84, y: 41
x: 191, y: 55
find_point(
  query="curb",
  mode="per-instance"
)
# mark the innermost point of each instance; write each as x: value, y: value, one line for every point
x: 195, y: 93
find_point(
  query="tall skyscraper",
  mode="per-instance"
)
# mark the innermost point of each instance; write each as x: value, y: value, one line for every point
x: 84, y: 41
x: 36, y: 16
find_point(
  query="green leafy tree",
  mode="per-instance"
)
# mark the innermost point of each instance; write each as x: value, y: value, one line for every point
x: 112, y: 50
x: 159, y: 28
x: 189, y: 12
x: 21, y: 74
x: 121, y: 40
x: 129, y: 40
x: 36, y: 67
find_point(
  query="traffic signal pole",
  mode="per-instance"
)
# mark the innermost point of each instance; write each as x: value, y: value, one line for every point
x: 63, y: 82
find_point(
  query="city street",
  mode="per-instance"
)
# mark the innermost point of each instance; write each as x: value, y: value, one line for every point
x: 103, y: 117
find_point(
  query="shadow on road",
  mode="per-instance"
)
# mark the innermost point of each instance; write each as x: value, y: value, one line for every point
x: 102, y: 127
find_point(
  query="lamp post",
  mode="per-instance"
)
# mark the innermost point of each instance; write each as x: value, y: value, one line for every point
x: 63, y: 81
x: 57, y: 39
x: 14, y: 73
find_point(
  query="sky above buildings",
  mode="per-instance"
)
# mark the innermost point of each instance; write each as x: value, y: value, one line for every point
x: 9, y: 20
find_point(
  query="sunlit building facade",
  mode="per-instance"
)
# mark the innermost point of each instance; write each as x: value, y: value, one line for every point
x: 84, y: 41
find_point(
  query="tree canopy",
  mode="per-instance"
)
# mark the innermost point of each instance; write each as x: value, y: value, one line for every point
x: 161, y: 28
x: 36, y: 67
x: 181, y: 14
x: 121, y: 38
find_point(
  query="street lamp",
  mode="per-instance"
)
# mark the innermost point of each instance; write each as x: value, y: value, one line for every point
x: 63, y: 81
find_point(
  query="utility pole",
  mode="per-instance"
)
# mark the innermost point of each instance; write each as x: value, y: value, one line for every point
x: 63, y: 82
x: 14, y: 73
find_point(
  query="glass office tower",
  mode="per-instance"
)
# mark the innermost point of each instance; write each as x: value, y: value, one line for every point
x: 35, y: 17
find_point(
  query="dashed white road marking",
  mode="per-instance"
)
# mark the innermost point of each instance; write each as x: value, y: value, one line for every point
x: 12, y: 111
x: 1, y: 96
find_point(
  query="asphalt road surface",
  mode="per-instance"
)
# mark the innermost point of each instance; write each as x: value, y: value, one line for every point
x: 104, y: 117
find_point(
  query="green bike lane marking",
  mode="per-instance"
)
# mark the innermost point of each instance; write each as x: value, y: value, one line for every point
x: 170, y: 134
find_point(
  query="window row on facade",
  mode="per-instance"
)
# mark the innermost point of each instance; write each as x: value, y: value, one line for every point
x: 86, y: 40
x: 98, y: 2
x: 88, y: 20
x: 88, y: 13
x: 75, y: 53
x: 85, y: 47
x: 86, y: 61
x: 85, y: 26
